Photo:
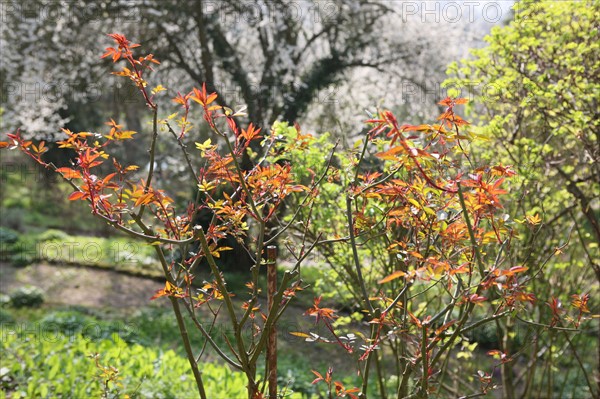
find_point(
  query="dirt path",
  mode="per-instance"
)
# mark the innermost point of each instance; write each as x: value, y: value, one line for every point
x: 80, y: 285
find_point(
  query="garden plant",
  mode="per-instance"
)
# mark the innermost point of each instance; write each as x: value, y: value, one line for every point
x: 406, y: 219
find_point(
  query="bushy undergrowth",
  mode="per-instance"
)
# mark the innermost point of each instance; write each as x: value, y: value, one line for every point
x: 27, y: 297
x: 47, y: 365
x: 55, y: 246
x: 49, y: 356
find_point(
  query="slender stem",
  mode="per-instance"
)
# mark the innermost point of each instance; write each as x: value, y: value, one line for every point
x: 188, y: 348
x: 272, y: 316
x: 580, y: 363
x: 152, y: 152
x: 211, y: 341
x: 238, y: 169
x: 272, y: 332
x: 365, y: 384
x: 506, y: 369
x: 359, y: 275
x: 425, y: 362
x: 180, y: 322
x: 470, y: 228
x: 144, y: 236
x: 484, y: 321
x: 453, y: 337
x: 398, y: 297
x: 403, y: 388
x: 218, y: 278
x: 549, y: 327
x: 186, y: 155
x: 210, y: 328
x: 360, y: 159
x: 380, y: 377
x: 255, y: 273
x: 380, y: 181
x: 246, y: 364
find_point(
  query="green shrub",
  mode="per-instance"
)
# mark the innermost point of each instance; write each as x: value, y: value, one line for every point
x: 53, y: 235
x: 117, y: 254
x: 61, y: 367
x: 8, y: 236
x: 69, y: 323
x: 27, y: 296
x: 4, y: 300
x: 22, y: 259
x: 6, y: 316
x: 24, y: 251
x: 66, y: 320
x: 486, y: 336
x: 56, y: 246
x: 13, y: 217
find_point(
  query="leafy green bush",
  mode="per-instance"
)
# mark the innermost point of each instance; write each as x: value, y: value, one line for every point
x: 53, y: 235
x: 61, y: 367
x: 107, y: 253
x: 6, y: 317
x: 67, y: 321
x: 8, y: 236
x: 4, y: 300
x: 56, y: 246
x: 23, y: 252
x: 21, y: 259
x: 12, y: 217
x: 157, y: 327
x: 27, y: 296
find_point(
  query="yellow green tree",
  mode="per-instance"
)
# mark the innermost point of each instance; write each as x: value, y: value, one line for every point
x: 536, y: 92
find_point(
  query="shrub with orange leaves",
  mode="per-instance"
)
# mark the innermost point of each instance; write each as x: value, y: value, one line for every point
x: 414, y: 230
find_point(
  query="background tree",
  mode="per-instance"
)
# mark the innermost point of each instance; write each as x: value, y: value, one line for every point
x: 277, y: 58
